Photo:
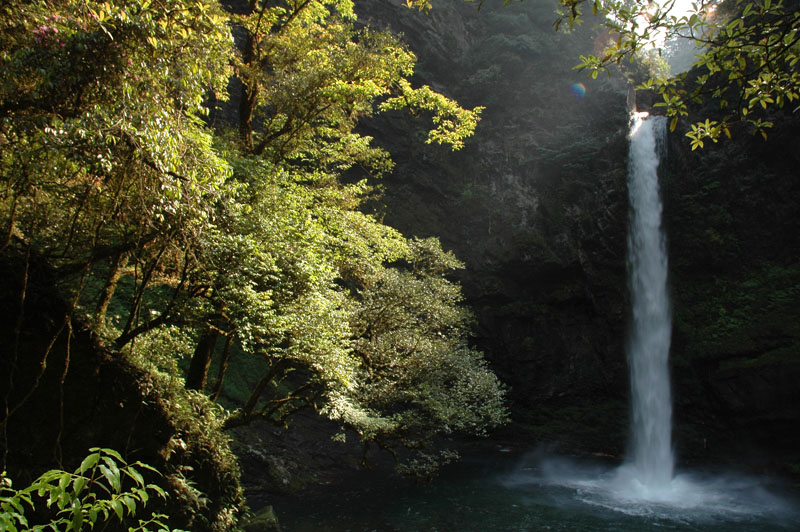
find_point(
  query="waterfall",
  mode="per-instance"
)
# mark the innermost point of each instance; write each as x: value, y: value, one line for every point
x: 649, y: 341
x: 645, y: 491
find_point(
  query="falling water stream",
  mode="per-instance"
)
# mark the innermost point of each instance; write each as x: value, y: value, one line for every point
x: 530, y: 491
x: 651, y: 327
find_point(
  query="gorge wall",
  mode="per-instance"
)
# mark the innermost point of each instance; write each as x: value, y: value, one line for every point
x: 731, y: 213
x: 537, y: 208
x: 535, y: 205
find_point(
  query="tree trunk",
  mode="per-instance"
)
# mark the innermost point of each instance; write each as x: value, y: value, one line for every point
x: 247, y: 102
x: 201, y: 360
x: 223, y: 365
x: 246, y: 413
x: 118, y: 264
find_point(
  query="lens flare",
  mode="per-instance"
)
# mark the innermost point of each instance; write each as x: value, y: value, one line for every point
x: 579, y: 90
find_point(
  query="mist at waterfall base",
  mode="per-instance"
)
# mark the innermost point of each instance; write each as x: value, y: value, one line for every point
x: 517, y: 491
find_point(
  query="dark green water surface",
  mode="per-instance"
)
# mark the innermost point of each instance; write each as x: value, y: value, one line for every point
x: 512, y: 492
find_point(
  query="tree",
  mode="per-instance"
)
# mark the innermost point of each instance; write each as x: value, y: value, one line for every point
x: 106, y: 163
x: 162, y: 224
x: 418, y: 375
x: 308, y: 77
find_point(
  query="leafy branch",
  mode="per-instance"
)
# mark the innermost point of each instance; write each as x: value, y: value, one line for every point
x: 103, y: 488
x: 747, y: 64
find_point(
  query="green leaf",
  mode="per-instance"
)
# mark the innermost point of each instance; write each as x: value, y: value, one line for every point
x: 135, y: 475
x: 142, y: 494
x: 76, y: 523
x: 78, y: 484
x: 64, y: 500
x: 64, y: 481
x: 115, y: 454
x: 116, y: 505
x: 111, y: 474
x: 89, y: 462
x: 157, y: 489
x: 131, y: 504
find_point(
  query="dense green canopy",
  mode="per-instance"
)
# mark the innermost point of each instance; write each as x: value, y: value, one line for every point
x: 177, y: 221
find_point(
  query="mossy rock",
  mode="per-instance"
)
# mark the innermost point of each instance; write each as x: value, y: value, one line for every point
x: 785, y: 356
x: 598, y: 427
x: 264, y: 521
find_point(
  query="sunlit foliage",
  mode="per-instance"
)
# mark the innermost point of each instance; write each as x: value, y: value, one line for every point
x: 175, y: 228
x: 103, y: 489
x: 746, y: 57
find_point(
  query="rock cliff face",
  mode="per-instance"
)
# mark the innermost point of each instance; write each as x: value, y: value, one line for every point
x: 536, y: 206
x: 734, y: 246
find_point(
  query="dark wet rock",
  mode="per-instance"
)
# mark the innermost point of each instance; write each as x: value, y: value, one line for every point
x: 264, y: 521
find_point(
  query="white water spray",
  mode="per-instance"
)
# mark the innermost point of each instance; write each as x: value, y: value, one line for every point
x: 648, y: 349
